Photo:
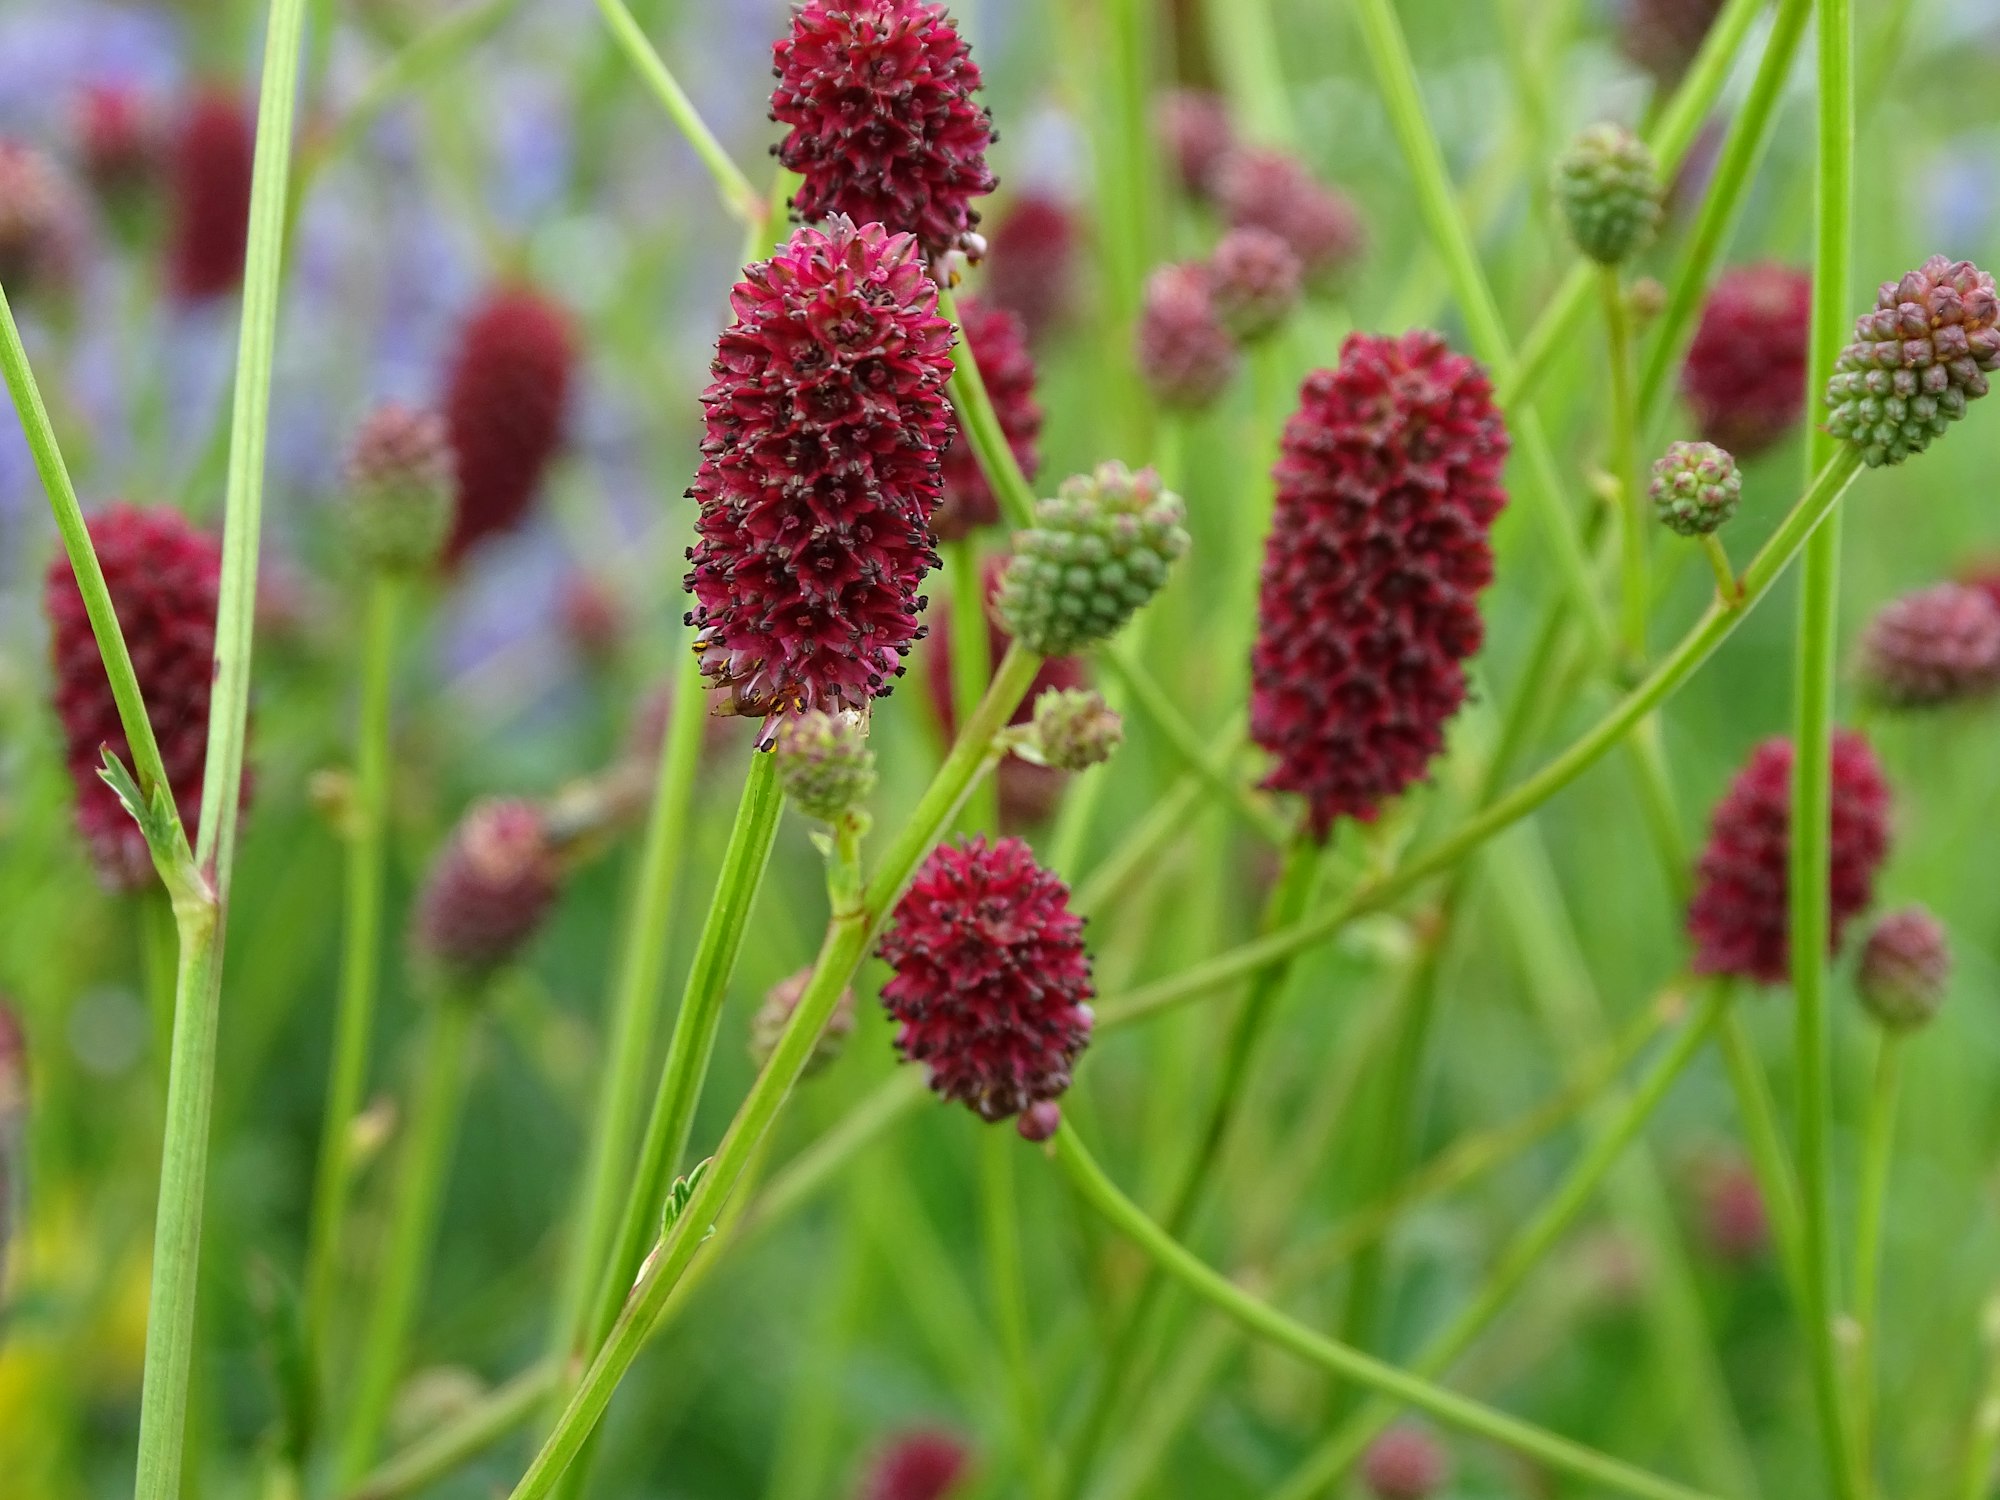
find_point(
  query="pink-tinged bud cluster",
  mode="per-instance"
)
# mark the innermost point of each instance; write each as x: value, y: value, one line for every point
x: 1258, y: 188
x: 918, y: 1466
x: 1405, y: 1463
x: 767, y: 1027
x: 820, y: 470
x: 1938, y: 646
x: 1740, y: 918
x: 878, y: 95
x: 1030, y: 266
x: 212, y: 153
x: 1905, y: 969
x: 1388, y: 481
x: 506, y: 408
x: 1745, y: 375
x: 1255, y: 281
x: 40, y: 223
x: 164, y: 578
x: 1194, y: 130
x: 1185, y: 354
x: 488, y: 892
x: 1663, y: 36
x: 400, y: 478
x: 1000, y: 347
x: 992, y: 983
x: 1734, y: 1218
x: 118, y: 142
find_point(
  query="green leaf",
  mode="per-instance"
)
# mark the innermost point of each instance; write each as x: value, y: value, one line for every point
x: 679, y: 1195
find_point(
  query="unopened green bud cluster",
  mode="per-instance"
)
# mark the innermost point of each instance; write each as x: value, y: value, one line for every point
x: 824, y: 763
x: 1076, y: 729
x: 400, y: 479
x: 1695, y: 488
x: 1095, y: 553
x: 1609, y: 188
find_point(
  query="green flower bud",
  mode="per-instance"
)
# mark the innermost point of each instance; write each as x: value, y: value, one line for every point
x: 824, y: 763
x: 1695, y: 488
x: 1609, y: 187
x: 399, y: 483
x: 1075, y: 729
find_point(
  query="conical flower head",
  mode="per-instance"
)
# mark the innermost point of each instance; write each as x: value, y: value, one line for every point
x: 918, y: 1466
x: 488, y: 892
x: 1186, y: 357
x: 164, y: 578
x: 1745, y: 375
x: 214, y: 143
x: 1194, y: 131
x: 1255, y: 281
x: 819, y: 473
x: 1905, y: 969
x: 1388, y: 482
x: 1405, y: 1463
x: 879, y: 98
x: 506, y: 407
x: 41, y: 222
x: 1000, y: 347
x: 1916, y: 360
x: 992, y: 983
x: 1259, y: 188
x: 775, y: 1014
x: 1608, y: 187
x: 1938, y: 646
x: 400, y: 478
x: 1740, y: 919
x: 1030, y: 267
x: 1076, y: 729
x: 824, y: 763
x: 1695, y: 488
x: 1095, y: 554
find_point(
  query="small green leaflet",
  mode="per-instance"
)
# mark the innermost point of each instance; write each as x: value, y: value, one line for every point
x: 680, y: 1193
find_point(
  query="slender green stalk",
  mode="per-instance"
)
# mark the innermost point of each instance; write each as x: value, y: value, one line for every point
x: 361, y: 959
x: 1727, y: 589
x: 1268, y: 1323
x: 1722, y: 205
x: 159, y: 946
x: 971, y: 660
x: 1665, y: 679
x: 1000, y: 1224
x: 1983, y: 1441
x: 738, y: 197
x: 201, y: 903
x: 470, y: 1432
x: 981, y: 425
x: 1145, y: 842
x: 435, y: 1107
x: 693, y: 1041
x: 1769, y: 1161
x: 1624, y: 460
x: 853, y: 928
x: 1528, y: 1249
x: 1877, y: 1151
x: 1812, y: 777
x: 635, y: 1006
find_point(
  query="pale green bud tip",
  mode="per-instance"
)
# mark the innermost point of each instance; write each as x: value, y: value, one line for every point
x: 1076, y: 729
x: 824, y: 763
x: 1608, y: 186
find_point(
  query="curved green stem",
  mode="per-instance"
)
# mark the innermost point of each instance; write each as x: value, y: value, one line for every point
x: 426, y: 1160
x: 1983, y: 1441
x: 1624, y: 458
x: 1000, y: 1227
x: 1338, y: 1359
x: 1877, y: 1152
x: 360, y: 961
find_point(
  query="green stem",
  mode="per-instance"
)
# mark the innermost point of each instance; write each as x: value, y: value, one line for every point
x: 1665, y: 679
x: 160, y: 955
x: 849, y: 934
x: 470, y: 1432
x: 739, y: 198
x: 435, y: 1107
x: 1768, y: 1160
x: 971, y: 661
x: 1145, y: 842
x: 1983, y: 1441
x: 200, y: 909
x: 1527, y: 1251
x: 1727, y: 589
x: 1405, y: 1389
x: 1000, y: 1222
x: 1624, y: 459
x: 693, y: 1041
x: 980, y: 425
x: 1878, y: 1142
x: 360, y: 961
x: 1812, y: 780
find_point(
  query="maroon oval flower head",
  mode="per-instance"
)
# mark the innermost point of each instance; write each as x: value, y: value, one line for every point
x: 1405, y: 1463
x: 1030, y: 264
x: 1740, y: 918
x: 164, y: 577
x: 1745, y: 376
x: 878, y: 95
x: 1388, y: 480
x: 819, y: 473
x: 1663, y: 36
x: 1260, y: 188
x: 1905, y: 969
x: 1938, y: 646
x: 214, y: 144
x: 488, y: 891
x: 992, y: 982
x: 918, y: 1466
x: 1255, y: 280
x: 1186, y: 356
x: 506, y: 407
x: 1000, y: 346
x: 117, y: 140
x: 1193, y: 126
x: 41, y: 223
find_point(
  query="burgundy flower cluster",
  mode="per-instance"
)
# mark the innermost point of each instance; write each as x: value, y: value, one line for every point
x: 1030, y: 265
x: 211, y: 156
x: 488, y: 892
x: 1937, y: 646
x: 1388, y: 481
x: 999, y: 346
x: 1745, y: 375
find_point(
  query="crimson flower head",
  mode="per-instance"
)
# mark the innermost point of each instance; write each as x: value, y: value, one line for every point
x: 488, y: 891
x: 1905, y: 968
x: 819, y: 473
x: 1938, y: 646
x: 214, y: 145
x: 992, y: 982
x: 1388, y: 481
x: 1663, y: 36
x: 1193, y: 127
x: 999, y: 345
x: 1745, y: 376
x: 1030, y: 265
x: 1185, y: 354
x: 878, y: 95
x: 918, y: 1466
x: 506, y: 406
x: 1740, y: 919
x: 1260, y: 188
x: 164, y: 578
x: 1405, y: 1463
